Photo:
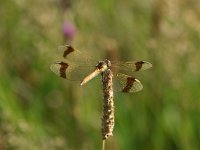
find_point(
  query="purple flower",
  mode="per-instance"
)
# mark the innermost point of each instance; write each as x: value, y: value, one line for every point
x: 69, y: 30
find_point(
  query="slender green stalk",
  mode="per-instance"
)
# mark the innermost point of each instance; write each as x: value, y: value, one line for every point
x: 103, y: 144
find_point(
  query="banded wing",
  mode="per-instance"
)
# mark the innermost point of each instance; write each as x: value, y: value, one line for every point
x: 73, y: 55
x: 131, y: 66
x: 127, y: 83
x: 71, y: 71
x: 73, y: 64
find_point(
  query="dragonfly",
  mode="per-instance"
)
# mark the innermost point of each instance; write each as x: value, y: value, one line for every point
x: 75, y: 65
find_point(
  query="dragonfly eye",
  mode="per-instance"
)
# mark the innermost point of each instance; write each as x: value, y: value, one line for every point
x: 108, y: 62
x: 102, y: 65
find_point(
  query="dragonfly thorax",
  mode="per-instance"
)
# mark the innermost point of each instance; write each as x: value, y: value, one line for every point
x: 103, y: 65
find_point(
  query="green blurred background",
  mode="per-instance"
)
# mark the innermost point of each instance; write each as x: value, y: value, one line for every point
x: 40, y: 111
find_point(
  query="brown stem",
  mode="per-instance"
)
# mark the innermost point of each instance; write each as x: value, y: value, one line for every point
x: 108, y: 105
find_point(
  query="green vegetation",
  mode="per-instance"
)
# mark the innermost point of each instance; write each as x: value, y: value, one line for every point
x: 40, y: 111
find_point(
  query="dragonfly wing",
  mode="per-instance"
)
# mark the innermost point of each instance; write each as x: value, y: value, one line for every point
x: 131, y: 66
x: 126, y: 84
x: 73, y: 55
x: 70, y: 71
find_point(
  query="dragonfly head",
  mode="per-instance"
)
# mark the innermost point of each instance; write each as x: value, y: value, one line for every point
x: 103, y: 65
